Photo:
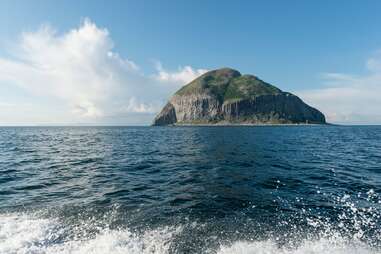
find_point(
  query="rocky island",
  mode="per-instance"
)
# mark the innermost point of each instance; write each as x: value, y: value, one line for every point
x: 225, y: 97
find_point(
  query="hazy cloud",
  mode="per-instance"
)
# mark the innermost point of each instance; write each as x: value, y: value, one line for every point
x: 81, y: 70
x: 348, y: 98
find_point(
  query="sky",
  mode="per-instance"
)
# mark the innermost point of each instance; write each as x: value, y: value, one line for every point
x: 118, y: 62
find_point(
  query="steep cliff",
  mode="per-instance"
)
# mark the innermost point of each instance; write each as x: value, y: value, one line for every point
x: 224, y: 96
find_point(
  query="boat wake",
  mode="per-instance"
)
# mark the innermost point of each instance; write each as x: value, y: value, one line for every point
x: 27, y: 233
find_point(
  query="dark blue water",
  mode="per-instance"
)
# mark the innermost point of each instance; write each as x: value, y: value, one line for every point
x: 286, y: 189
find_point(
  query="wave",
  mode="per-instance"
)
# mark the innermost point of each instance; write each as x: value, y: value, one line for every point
x: 27, y: 233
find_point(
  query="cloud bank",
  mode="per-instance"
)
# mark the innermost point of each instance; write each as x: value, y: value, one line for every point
x: 347, y: 98
x: 80, y: 71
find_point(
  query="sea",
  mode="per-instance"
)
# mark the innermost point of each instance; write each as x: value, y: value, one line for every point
x: 248, y: 189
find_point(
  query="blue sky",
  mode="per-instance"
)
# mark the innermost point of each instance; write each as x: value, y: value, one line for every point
x: 327, y: 52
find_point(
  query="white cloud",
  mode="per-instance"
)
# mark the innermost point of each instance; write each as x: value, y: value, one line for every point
x: 87, y: 109
x: 351, y: 99
x: 81, y: 70
x: 182, y: 75
x: 135, y: 107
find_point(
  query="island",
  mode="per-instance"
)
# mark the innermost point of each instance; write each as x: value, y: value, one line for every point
x: 226, y: 97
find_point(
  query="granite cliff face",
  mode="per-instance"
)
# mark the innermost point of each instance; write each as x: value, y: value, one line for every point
x: 224, y: 96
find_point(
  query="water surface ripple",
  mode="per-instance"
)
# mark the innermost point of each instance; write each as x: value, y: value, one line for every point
x: 275, y: 189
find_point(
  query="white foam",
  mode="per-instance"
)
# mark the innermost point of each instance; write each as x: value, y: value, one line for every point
x: 157, y: 241
x: 22, y: 234
x: 28, y: 234
x: 322, y: 246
